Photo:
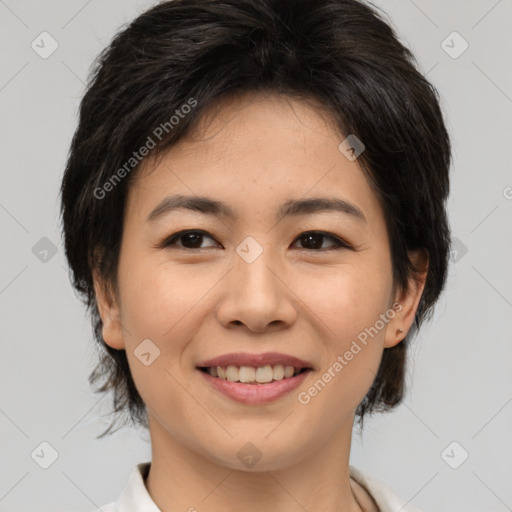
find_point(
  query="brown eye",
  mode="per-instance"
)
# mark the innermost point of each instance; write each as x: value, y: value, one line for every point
x: 310, y: 240
x: 190, y: 239
x: 313, y: 240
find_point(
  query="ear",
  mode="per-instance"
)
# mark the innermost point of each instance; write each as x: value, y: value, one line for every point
x: 108, y: 307
x: 407, y: 300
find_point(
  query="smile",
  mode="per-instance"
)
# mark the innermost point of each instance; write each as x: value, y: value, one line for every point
x: 253, y: 375
x: 255, y: 378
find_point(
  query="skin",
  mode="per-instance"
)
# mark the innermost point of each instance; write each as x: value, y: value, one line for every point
x: 254, y: 152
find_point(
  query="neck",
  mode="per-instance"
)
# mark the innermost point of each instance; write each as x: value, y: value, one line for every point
x: 181, y: 478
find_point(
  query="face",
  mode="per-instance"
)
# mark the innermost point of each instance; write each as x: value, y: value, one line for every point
x: 255, y: 278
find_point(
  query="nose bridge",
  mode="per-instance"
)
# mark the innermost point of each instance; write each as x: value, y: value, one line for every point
x: 255, y: 294
x: 252, y: 267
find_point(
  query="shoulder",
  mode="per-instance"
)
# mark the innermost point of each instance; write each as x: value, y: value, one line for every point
x: 134, y: 497
x: 384, y: 497
x: 110, y: 507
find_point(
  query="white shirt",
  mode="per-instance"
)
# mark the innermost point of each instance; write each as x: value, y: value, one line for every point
x: 135, y: 496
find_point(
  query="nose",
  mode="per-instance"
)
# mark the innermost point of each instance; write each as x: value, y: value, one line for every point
x: 255, y: 295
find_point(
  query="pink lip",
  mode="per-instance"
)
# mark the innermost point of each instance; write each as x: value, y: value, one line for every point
x: 245, y: 359
x: 255, y: 393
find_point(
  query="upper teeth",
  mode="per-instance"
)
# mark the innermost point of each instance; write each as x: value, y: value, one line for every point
x: 261, y: 374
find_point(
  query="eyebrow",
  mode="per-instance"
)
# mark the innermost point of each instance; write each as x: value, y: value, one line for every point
x: 292, y: 207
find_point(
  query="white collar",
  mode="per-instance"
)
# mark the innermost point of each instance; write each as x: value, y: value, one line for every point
x: 135, y: 496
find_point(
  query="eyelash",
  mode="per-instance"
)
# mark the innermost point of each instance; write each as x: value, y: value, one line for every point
x: 171, y: 240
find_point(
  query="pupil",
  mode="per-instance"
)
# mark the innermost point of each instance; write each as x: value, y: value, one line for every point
x: 314, y: 245
x: 196, y: 238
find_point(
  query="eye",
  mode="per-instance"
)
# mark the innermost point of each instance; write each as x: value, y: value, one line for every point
x: 190, y: 239
x: 311, y: 241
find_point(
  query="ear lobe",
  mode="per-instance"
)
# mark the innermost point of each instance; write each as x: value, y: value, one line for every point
x: 408, y: 300
x: 109, y: 311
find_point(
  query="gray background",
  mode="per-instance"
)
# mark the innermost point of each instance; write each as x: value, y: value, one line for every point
x: 460, y: 385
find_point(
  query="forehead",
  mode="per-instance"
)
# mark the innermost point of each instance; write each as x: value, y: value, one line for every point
x: 255, y: 150
x: 262, y: 120
x: 245, y: 123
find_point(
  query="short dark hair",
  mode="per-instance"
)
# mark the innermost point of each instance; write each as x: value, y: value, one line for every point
x: 340, y: 54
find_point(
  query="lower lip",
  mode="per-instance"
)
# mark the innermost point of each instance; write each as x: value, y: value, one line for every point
x: 256, y: 393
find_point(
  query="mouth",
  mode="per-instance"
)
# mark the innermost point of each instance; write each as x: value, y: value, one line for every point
x: 256, y: 375
x: 254, y: 379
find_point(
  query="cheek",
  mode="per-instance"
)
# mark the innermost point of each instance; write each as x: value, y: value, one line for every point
x: 352, y: 306
x: 156, y: 297
x: 157, y: 306
x: 347, y: 299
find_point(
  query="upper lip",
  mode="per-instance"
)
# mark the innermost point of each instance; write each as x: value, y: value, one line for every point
x: 246, y: 359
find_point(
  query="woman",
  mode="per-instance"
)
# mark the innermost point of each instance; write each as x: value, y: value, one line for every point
x: 254, y: 210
